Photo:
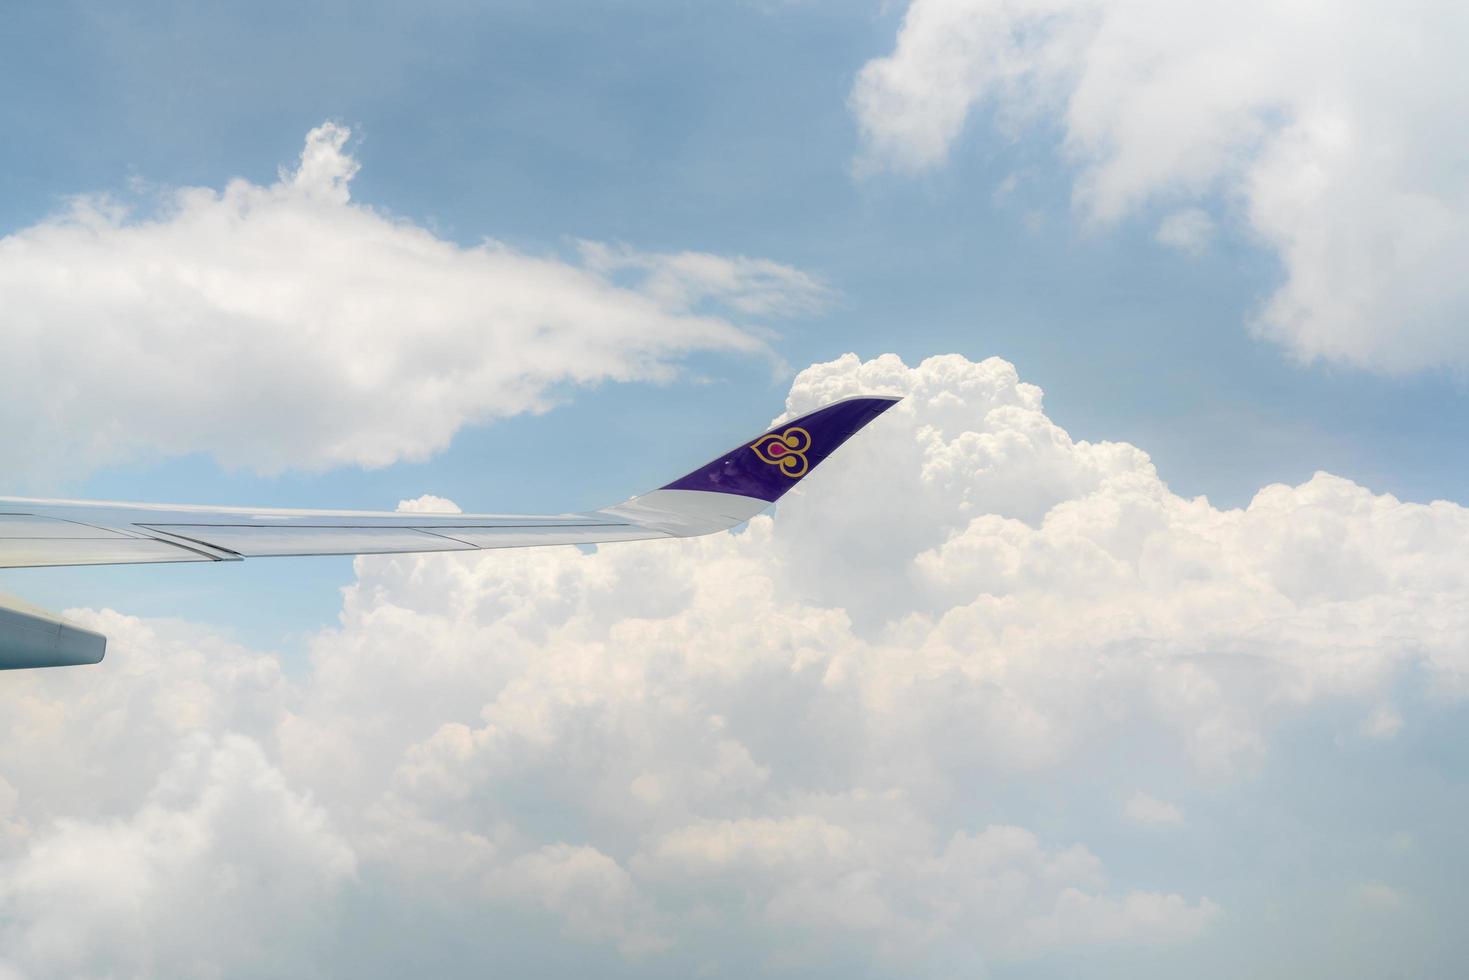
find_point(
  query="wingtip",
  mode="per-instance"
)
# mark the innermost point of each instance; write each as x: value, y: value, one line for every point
x: 773, y: 463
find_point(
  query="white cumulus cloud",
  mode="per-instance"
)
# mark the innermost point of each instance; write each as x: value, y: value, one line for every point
x: 222, y: 869
x: 876, y: 731
x: 285, y: 325
x: 1334, y: 128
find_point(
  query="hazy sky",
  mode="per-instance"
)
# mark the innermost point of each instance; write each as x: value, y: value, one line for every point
x: 1161, y: 675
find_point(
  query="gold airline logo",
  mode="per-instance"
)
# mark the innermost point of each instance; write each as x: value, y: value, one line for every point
x: 785, y: 449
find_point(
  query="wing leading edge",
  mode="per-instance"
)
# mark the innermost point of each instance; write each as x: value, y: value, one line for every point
x: 719, y: 495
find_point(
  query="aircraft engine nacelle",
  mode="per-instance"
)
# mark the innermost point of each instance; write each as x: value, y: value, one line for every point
x: 32, y: 637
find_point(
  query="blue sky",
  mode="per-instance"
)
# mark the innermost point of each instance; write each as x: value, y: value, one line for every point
x: 720, y: 128
x: 740, y: 130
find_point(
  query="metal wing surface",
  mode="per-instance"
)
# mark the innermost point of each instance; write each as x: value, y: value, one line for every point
x: 720, y: 495
x: 58, y: 532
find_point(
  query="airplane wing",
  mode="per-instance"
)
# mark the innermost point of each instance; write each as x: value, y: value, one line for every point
x: 719, y: 495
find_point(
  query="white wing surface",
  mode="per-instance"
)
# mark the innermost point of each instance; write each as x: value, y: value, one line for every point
x: 64, y: 532
x: 728, y: 491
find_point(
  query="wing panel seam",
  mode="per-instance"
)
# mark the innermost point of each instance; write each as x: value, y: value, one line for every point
x: 211, y: 551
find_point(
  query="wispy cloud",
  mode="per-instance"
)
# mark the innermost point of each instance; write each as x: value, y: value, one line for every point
x: 287, y: 326
x: 1152, y: 812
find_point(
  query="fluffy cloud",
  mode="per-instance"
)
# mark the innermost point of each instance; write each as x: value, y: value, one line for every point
x: 867, y: 735
x: 287, y: 326
x: 1332, y: 126
x: 223, y: 869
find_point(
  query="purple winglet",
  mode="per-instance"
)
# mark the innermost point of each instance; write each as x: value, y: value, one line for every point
x: 768, y: 466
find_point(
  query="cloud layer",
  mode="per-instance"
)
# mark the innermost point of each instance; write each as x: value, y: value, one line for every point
x: 285, y: 326
x: 821, y: 744
x: 1330, y: 129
